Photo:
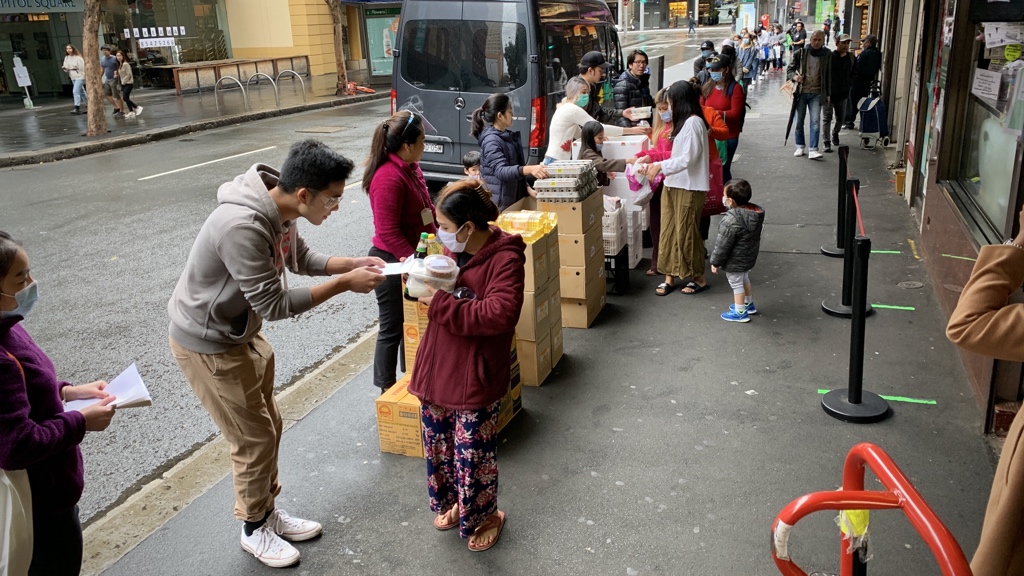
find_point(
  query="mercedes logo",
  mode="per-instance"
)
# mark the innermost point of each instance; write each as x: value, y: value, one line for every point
x: 460, y: 103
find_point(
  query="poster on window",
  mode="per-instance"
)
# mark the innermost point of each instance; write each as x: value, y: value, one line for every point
x: 381, y: 29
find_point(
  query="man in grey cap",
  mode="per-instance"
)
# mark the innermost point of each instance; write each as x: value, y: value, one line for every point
x: 594, y: 67
x: 843, y: 65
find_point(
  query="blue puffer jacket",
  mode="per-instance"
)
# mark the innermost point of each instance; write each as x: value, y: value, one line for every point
x: 501, y: 165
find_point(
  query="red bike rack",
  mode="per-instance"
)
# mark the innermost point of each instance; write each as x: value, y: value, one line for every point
x: 899, y: 493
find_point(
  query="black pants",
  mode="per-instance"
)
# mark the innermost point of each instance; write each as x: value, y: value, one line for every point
x: 389, y: 336
x: 126, y: 92
x: 57, y: 546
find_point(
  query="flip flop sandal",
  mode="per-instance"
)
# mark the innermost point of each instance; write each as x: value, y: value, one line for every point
x: 694, y: 288
x: 444, y: 522
x: 652, y: 273
x: 664, y: 289
x: 487, y: 525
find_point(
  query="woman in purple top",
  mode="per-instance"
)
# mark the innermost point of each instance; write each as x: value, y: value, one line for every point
x: 36, y: 434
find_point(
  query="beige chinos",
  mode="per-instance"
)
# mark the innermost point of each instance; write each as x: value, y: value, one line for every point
x: 237, y: 389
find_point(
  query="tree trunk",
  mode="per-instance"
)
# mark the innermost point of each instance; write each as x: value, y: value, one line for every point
x: 338, y: 17
x: 97, y: 118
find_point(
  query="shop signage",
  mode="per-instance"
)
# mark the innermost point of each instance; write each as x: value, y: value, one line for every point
x: 156, y: 43
x: 35, y: 6
x: 381, y: 28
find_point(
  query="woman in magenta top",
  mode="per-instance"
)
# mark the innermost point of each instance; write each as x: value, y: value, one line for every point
x: 402, y: 210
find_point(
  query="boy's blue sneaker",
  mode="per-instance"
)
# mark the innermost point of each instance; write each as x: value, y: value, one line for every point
x: 733, y: 316
x: 751, y: 309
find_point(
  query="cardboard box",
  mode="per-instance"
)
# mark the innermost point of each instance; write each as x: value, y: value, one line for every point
x: 619, y: 187
x: 411, y: 335
x: 555, y: 303
x: 576, y: 217
x: 534, y: 319
x: 554, y: 255
x: 580, y: 313
x: 579, y: 249
x: 537, y: 270
x: 574, y: 281
x: 512, y: 403
x: 534, y: 360
x: 414, y: 312
x: 557, y: 348
x: 398, y: 421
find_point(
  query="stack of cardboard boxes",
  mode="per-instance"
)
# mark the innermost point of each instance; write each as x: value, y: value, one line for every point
x: 539, y: 332
x: 398, y: 411
x: 581, y: 249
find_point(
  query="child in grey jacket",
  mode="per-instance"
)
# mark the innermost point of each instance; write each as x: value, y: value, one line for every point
x: 739, y: 241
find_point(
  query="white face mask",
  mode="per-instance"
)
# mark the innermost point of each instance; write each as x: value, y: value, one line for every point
x: 725, y: 201
x: 450, y: 242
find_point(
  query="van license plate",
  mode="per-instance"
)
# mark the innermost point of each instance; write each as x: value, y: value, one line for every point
x: 433, y: 148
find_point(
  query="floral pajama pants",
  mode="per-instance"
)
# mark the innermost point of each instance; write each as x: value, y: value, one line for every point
x: 462, y: 467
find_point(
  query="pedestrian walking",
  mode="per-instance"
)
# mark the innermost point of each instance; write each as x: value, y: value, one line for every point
x: 633, y: 86
x: 799, y: 38
x: 475, y: 326
x: 986, y: 322
x: 843, y: 67
x: 869, y: 62
x: 74, y: 65
x: 681, y: 251
x: 764, y: 44
x: 111, y: 87
x: 723, y: 93
x: 693, y: 23
x: 402, y: 211
x: 811, y: 69
x: 234, y: 278
x: 568, y: 120
x: 591, y: 143
x: 737, y: 246
x: 40, y: 458
x: 707, y: 49
x: 127, y: 81
x: 502, y: 165
x: 747, y: 54
x: 826, y: 27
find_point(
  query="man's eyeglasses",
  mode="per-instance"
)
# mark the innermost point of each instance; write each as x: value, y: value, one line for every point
x: 329, y: 201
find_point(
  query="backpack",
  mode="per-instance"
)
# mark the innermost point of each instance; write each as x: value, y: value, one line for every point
x: 743, y: 114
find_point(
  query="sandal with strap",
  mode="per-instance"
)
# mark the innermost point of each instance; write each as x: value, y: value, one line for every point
x: 664, y: 289
x: 496, y: 520
x: 448, y: 520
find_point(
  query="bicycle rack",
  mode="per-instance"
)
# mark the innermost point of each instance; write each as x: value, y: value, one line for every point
x: 245, y: 97
x: 294, y: 75
x: 277, y: 95
x: 899, y: 493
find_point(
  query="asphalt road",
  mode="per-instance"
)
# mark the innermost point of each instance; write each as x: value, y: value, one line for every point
x: 107, y: 249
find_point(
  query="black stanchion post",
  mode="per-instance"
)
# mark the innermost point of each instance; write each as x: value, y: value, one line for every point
x: 843, y: 308
x: 839, y: 249
x: 854, y: 404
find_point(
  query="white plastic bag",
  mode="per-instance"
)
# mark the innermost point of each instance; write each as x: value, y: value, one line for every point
x: 15, y: 522
x: 639, y: 185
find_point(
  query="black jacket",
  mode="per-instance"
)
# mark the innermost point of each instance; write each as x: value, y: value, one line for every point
x: 739, y: 239
x: 698, y: 65
x: 799, y: 66
x: 602, y: 115
x: 842, y: 73
x: 868, y: 64
x: 631, y: 91
x: 501, y: 165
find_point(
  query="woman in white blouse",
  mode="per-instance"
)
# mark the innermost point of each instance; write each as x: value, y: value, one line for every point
x: 681, y: 250
x: 74, y: 65
x: 569, y: 118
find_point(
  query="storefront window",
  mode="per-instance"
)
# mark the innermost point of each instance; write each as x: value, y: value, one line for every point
x: 381, y: 28
x: 168, y: 31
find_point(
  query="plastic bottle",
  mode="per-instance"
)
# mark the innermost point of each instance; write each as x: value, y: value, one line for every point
x: 421, y: 248
x: 433, y: 246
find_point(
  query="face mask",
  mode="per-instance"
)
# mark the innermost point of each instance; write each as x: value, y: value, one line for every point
x: 746, y: 41
x: 716, y: 76
x: 666, y: 116
x: 26, y: 299
x: 705, y: 53
x: 725, y: 201
x: 598, y: 147
x: 582, y: 101
x: 449, y: 241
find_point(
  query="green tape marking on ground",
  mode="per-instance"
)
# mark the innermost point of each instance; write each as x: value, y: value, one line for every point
x: 895, y: 398
x: 888, y: 307
x: 960, y: 257
x: 886, y: 252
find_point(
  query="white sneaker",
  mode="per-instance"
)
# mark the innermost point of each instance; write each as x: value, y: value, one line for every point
x: 129, y: 115
x: 268, y: 548
x: 138, y: 110
x: 293, y: 529
x: 799, y: 152
x: 814, y: 155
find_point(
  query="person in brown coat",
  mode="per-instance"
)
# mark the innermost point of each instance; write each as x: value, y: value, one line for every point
x: 985, y: 323
x: 591, y: 143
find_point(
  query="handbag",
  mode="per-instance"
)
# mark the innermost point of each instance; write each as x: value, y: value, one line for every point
x: 713, y: 204
x: 16, y: 522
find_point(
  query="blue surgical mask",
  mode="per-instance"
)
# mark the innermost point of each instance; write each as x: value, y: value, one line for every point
x: 666, y: 116
x: 705, y: 54
x: 26, y: 299
x: 583, y: 100
x: 450, y: 242
x: 598, y: 147
x: 716, y: 76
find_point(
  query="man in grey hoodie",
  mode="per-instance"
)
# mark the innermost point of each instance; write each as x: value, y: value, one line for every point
x: 237, y: 275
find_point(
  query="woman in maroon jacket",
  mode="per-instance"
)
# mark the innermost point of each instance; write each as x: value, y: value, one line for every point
x: 36, y: 434
x: 401, y: 211
x: 463, y: 363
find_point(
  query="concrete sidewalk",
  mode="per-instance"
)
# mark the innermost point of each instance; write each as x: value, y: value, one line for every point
x: 49, y: 132
x: 666, y: 440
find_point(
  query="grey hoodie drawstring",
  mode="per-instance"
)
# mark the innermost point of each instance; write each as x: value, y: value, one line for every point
x: 292, y: 248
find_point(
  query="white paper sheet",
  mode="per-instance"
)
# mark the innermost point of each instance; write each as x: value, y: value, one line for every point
x: 986, y: 84
x: 128, y: 387
x: 398, y: 267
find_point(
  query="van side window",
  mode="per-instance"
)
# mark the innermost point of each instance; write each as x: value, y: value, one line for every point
x: 464, y: 55
x: 569, y: 42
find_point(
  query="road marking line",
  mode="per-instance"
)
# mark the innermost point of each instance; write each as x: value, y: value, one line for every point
x: 955, y: 257
x: 913, y: 248
x: 206, y: 163
x: 891, y: 307
x: 896, y: 399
